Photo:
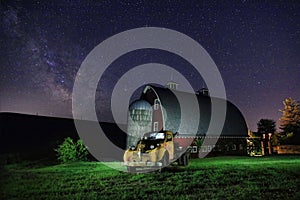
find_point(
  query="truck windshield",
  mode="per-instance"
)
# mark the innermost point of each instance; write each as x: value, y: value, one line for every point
x: 154, y: 136
x: 152, y: 140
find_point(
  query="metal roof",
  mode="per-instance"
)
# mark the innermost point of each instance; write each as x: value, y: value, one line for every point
x: 235, y: 124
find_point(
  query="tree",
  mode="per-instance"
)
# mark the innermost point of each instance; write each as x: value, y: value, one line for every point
x: 266, y: 126
x: 290, y: 120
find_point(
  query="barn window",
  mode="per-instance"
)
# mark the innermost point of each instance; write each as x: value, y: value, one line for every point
x: 214, y: 147
x: 234, y: 147
x: 208, y: 148
x: 155, y: 126
x: 241, y: 147
x: 204, y: 148
x: 219, y: 147
x: 194, y: 149
x: 156, y: 104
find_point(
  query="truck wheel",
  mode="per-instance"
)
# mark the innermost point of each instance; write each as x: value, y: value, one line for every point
x: 185, y: 160
x: 179, y: 161
x: 131, y: 169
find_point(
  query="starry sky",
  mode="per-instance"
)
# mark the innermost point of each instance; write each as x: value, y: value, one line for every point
x: 255, y: 45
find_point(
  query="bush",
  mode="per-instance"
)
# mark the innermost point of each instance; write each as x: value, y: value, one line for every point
x: 70, y: 151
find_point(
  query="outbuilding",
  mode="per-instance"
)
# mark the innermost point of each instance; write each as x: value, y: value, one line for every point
x: 158, y: 109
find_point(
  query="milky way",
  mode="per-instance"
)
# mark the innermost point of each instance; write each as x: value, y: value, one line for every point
x: 255, y: 45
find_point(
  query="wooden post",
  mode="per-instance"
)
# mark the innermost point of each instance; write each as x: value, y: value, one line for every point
x: 263, y: 145
x: 269, y: 144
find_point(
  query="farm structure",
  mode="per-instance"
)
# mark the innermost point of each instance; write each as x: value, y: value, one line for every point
x: 158, y: 109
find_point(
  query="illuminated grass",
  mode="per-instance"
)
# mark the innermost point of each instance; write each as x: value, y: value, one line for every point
x: 210, y: 178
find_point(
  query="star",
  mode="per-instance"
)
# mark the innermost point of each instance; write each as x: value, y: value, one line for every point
x: 254, y: 45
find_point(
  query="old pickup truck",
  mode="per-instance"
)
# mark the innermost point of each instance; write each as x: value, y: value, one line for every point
x: 155, y: 150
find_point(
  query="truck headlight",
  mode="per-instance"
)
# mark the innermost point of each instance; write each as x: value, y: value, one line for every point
x: 152, y: 147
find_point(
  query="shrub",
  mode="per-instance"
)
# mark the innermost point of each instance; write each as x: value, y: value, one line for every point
x: 70, y: 151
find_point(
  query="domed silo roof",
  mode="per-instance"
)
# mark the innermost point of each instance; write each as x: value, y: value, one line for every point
x: 140, y: 105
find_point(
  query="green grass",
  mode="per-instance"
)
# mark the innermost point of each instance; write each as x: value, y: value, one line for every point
x: 209, y: 178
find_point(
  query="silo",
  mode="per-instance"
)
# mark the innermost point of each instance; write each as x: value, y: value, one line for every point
x: 139, y: 121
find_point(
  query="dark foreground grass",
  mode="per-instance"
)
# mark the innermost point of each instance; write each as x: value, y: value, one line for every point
x: 210, y: 178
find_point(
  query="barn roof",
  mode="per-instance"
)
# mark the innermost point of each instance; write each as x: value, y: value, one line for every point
x: 235, y: 124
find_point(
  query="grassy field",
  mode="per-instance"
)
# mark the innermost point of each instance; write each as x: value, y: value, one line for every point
x: 209, y: 178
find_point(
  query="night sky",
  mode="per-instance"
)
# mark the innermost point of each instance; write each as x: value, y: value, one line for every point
x: 255, y: 45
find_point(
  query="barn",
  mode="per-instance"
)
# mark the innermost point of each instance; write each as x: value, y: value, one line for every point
x: 158, y: 109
